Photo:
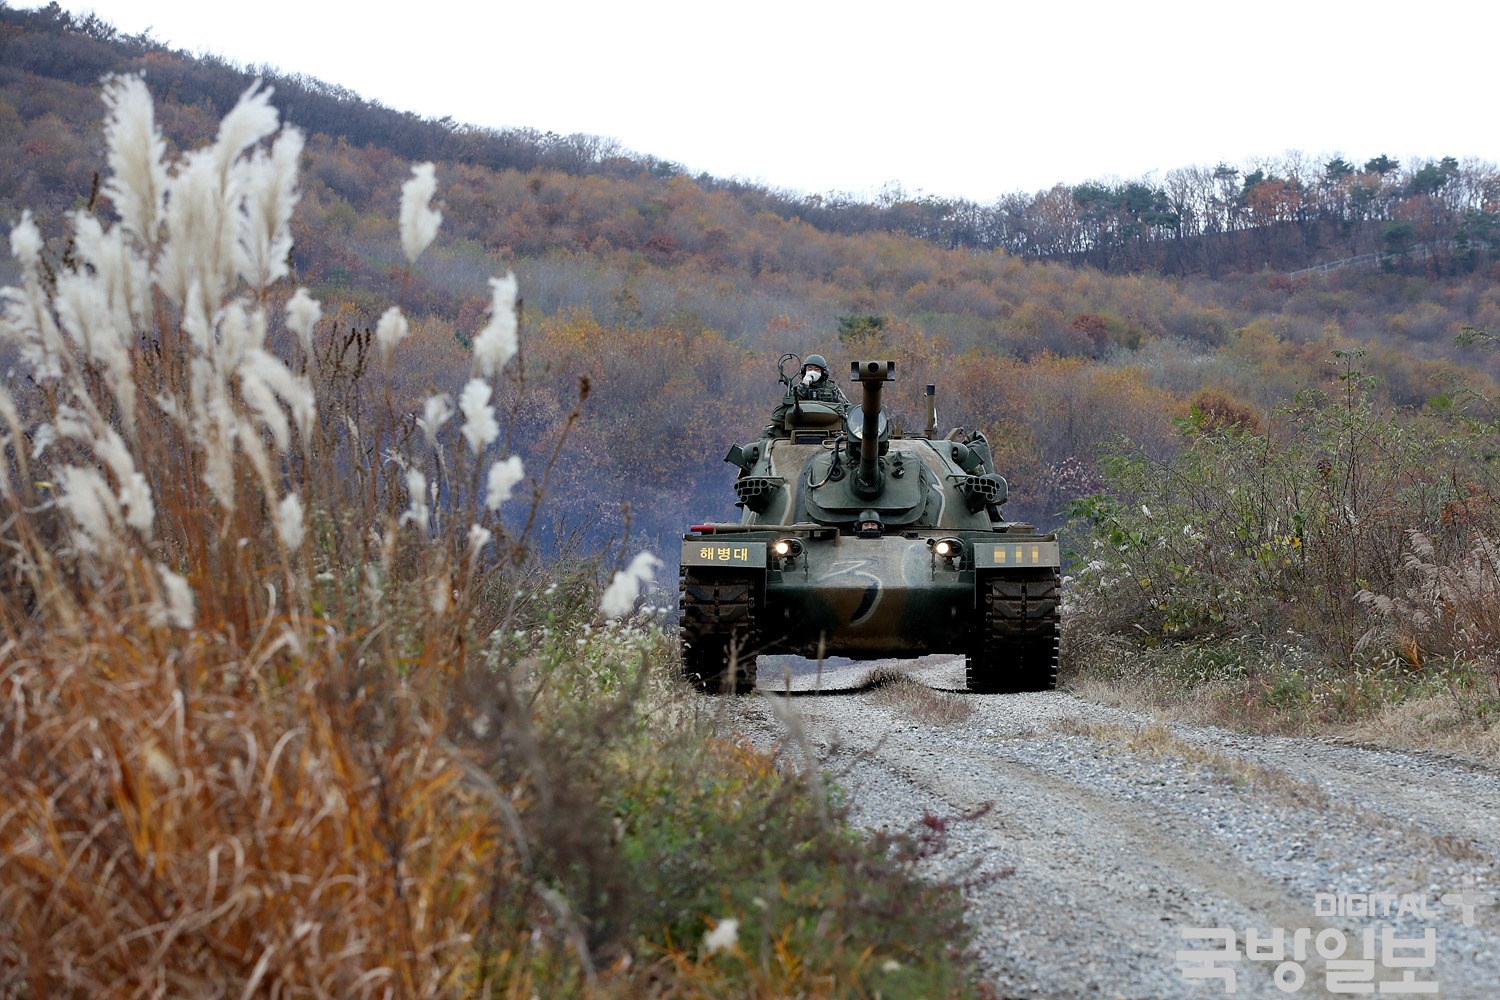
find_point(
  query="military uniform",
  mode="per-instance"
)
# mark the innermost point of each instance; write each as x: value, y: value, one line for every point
x: 824, y: 392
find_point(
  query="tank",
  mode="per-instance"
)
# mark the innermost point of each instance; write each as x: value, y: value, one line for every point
x: 859, y: 541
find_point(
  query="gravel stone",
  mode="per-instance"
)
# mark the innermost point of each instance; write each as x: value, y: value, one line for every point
x: 1110, y: 833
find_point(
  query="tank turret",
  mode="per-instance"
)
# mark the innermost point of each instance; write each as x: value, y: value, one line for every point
x: 858, y: 540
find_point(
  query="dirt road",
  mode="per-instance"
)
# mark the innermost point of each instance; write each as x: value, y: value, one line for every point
x: 1111, y: 837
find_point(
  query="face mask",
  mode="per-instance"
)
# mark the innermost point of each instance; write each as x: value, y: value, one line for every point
x: 810, y: 376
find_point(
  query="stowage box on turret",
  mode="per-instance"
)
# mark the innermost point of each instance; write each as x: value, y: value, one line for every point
x: 859, y: 542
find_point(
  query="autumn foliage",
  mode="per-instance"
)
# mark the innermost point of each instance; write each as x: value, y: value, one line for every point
x: 292, y: 703
x: 1086, y: 321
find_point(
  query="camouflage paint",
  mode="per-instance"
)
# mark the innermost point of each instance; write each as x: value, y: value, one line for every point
x: 867, y: 597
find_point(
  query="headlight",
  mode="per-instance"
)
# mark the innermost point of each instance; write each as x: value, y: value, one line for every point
x: 950, y: 550
x: 787, y: 548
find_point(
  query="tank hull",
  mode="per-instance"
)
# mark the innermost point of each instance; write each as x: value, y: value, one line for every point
x: 867, y: 597
x: 871, y: 598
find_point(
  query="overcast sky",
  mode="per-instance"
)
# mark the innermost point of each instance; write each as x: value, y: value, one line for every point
x: 946, y: 97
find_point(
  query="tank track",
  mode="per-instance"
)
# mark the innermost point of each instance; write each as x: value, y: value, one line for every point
x: 1015, y: 648
x: 718, y: 626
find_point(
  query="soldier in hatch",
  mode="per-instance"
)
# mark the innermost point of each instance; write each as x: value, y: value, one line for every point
x: 811, y: 383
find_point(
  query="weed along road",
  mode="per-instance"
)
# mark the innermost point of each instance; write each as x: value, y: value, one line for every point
x: 1122, y: 857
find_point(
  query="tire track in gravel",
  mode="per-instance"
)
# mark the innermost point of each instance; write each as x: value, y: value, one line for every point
x: 1405, y: 790
x: 1138, y: 871
x: 1116, y: 849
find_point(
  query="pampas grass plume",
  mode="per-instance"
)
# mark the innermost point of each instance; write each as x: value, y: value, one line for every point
x: 435, y: 413
x: 95, y: 511
x: 138, y: 181
x: 270, y: 196
x: 302, y: 315
x: 419, y: 221
x: 289, y: 521
x: 480, y: 428
x: 496, y: 343
x: 390, y: 331
x: 503, y: 477
x: 418, y: 512
x: 180, y: 610
x: 626, y: 586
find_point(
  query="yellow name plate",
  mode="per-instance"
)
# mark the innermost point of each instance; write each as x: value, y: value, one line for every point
x: 1001, y: 555
x: 708, y: 552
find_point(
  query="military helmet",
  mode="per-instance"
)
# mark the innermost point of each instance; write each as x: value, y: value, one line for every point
x: 815, y: 360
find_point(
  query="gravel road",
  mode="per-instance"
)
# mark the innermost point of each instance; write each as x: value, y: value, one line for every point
x: 1111, y: 834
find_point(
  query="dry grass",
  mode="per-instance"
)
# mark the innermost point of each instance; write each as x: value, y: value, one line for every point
x: 289, y: 707
x: 1443, y: 722
x: 1450, y: 609
x: 173, y: 825
x: 1157, y: 740
x: 1442, y: 708
x: 895, y: 689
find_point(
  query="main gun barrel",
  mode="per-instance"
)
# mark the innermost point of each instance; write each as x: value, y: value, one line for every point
x: 872, y: 377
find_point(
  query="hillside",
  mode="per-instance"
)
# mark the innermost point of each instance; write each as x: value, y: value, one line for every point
x: 1284, y: 212
x: 281, y: 719
x: 1054, y: 322
x: 320, y: 677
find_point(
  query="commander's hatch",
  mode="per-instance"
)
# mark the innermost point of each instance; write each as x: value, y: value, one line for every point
x: 812, y: 415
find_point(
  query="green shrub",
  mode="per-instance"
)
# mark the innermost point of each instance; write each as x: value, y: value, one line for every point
x: 1245, y: 540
